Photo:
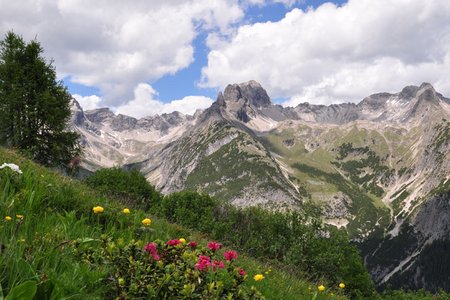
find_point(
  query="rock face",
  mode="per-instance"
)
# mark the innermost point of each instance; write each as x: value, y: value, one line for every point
x: 379, y: 168
x: 114, y: 140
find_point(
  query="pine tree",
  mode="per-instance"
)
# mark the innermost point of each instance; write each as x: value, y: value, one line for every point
x: 34, y: 106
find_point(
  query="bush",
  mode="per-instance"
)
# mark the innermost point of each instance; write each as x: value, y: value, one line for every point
x: 189, y: 209
x: 172, y: 270
x: 131, y: 187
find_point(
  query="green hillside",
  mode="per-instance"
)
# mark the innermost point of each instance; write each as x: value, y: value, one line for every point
x: 61, y: 239
x: 55, y: 237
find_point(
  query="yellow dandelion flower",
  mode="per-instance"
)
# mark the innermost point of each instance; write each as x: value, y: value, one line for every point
x: 321, y: 288
x: 182, y: 240
x: 146, y: 222
x: 8, y: 218
x: 19, y: 217
x: 258, y: 277
x: 126, y: 211
x: 341, y: 285
x: 98, y: 209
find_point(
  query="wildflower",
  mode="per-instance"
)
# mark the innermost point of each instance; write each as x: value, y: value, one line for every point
x: 241, y: 272
x: 230, y: 255
x: 8, y: 218
x: 193, y: 244
x: 13, y: 167
x: 126, y: 211
x: 218, y: 264
x: 258, y: 277
x: 173, y: 242
x: 203, y: 263
x: 20, y: 217
x: 98, y: 209
x: 321, y: 288
x: 341, y: 285
x: 146, y: 222
x: 214, y: 246
x: 182, y: 240
x: 151, y: 247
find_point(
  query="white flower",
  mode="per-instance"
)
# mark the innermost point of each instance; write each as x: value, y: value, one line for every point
x: 13, y: 167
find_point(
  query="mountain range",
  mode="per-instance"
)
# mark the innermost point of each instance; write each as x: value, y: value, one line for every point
x: 379, y: 169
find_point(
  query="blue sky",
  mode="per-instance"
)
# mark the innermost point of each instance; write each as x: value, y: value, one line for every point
x: 151, y: 57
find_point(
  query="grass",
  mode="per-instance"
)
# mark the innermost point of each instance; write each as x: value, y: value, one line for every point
x: 58, y: 211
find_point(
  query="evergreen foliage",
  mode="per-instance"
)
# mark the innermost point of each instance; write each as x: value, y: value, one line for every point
x: 130, y: 187
x: 34, y: 106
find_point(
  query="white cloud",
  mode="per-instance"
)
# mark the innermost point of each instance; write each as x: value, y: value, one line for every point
x: 114, y: 45
x: 336, y: 53
x: 287, y: 3
x: 88, y: 102
x: 145, y: 103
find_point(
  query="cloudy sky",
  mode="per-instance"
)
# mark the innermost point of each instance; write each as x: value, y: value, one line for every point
x: 146, y: 57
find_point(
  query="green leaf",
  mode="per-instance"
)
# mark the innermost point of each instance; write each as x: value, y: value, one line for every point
x: 24, y: 291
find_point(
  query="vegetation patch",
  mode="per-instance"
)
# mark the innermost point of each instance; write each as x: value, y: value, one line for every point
x: 366, y: 213
x: 367, y: 170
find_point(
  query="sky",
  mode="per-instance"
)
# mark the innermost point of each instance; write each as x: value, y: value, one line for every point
x: 150, y: 57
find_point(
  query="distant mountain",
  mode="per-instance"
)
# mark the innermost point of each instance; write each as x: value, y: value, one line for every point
x: 379, y: 168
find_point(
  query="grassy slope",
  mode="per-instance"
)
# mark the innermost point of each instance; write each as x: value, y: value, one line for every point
x: 57, y: 210
x: 320, y: 177
x: 239, y: 164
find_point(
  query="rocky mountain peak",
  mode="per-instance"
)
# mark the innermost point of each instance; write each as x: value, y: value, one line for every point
x: 250, y: 93
x: 423, y: 92
x: 99, y: 115
x: 427, y: 93
x: 409, y: 92
x: 257, y: 95
x: 77, y: 112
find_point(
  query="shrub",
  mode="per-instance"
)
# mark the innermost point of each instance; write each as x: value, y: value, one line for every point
x: 130, y: 186
x: 189, y: 209
x: 175, y: 269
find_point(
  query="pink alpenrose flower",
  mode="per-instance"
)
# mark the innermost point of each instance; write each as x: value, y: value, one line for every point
x: 203, y: 263
x: 173, y: 242
x: 151, y: 247
x: 230, y: 255
x: 214, y: 246
x: 218, y: 264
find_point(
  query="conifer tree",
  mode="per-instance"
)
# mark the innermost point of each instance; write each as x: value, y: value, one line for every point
x: 34, y: 106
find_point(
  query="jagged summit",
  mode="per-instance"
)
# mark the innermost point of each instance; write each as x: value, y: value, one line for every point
x: 248, y: 93
x: 427, y: 93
